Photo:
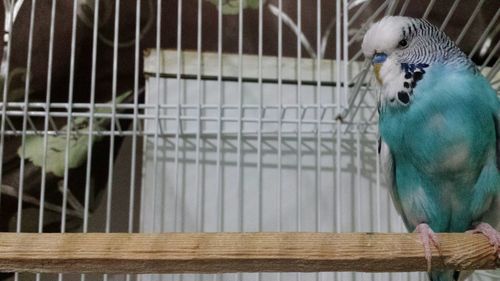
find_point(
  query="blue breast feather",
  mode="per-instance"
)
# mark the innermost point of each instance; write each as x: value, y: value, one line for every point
x: 443, y: 146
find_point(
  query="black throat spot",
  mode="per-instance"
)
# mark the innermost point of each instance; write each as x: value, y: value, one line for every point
x: 417, y: 76
x: 403, y: 97
x: 413, y: 74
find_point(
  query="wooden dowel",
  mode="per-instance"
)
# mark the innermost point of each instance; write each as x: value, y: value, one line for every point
x: 237, y: 252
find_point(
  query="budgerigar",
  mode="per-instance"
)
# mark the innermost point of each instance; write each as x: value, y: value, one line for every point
x: 439, y: 124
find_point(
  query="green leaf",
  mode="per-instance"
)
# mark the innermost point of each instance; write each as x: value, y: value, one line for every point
x: 232, y: 7
x: 56, y: 145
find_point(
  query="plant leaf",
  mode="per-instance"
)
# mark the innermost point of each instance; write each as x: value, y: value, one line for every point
x: 56, y: 145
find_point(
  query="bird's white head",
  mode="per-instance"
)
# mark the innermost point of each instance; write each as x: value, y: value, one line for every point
x: 386, y: 36
x: 396, y: 42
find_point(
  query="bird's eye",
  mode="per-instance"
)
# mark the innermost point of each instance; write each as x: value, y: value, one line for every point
x: 403, y: 43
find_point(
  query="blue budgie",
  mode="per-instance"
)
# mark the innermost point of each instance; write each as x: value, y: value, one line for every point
x: 439, y: 123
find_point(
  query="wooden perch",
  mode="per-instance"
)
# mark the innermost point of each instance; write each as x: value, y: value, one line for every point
x: 237, y: 252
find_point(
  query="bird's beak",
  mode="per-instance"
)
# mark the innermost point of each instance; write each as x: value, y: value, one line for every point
x: 377, y: 60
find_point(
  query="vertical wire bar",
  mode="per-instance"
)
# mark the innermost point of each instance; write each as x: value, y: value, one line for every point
x: 178, y: 121
x: 345, y: 51
x: 220, y: 191
x: 357, y: 187
x: 469, y: 22
x: 318, y: 115
x: 319, y: 56
x: 299, y: 117
x: 338, y: 170
x: 448, y: 16
x: 378, y: 197
x: 7, y: 36
x: 338, y: 45
x: 356, y: 225
x: 200, y: 192
x: 157, y: 120
x: 157, y: 113
x: 240, y: 125
x: 133, y: 159
x: 69, y: 121
x: 238, y: 276
x: 391, y: 227
x: 428, y: 9
x: 24, y: 126
x: 345, y: 60
x: 280, y: 121
x: 378, y: 192
x: 47, y: 109
x: 91, y: 121
x: 135, y: 119
x: 337, y: 97
x: 109, y: 197
x: 259, y: 129
x: 261, y: 104
x: 24, y: 123
x: 178, y: 197
x: 113, y: 121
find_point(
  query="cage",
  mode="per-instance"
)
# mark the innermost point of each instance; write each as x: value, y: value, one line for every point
x: 204, y: 116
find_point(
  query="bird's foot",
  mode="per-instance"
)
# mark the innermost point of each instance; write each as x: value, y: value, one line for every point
x: 428, y: 237
x: 492, y: 234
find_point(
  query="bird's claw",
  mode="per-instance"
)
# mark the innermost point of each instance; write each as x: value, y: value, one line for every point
x: 427, y: 236
x: 492, y: 234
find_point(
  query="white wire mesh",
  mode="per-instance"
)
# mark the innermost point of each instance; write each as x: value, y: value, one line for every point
x: 256, y: 116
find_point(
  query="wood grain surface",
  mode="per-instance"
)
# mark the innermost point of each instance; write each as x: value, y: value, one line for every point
x: 237, y: 252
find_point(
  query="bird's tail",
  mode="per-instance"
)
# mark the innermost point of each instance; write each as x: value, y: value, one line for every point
x: 448, y: 275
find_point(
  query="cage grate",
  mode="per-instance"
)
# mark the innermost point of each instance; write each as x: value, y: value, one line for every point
x: 204, y: 115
